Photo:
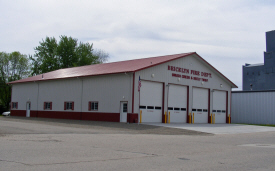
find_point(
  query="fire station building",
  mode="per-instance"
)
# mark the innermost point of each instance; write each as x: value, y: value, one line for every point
x: 141, y: 90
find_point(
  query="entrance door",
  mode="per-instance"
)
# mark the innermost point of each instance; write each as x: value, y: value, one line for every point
x: 28, y: 109
x: 177, y: 103
x: 200, y: 105
x: 123, y: 111
x: 151, y: 101
x: 219, y: 106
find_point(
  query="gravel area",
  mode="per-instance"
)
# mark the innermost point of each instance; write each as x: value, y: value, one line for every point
x: 96, y: 127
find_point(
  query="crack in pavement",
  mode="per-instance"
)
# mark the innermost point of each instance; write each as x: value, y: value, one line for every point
x: 15, y: 162
x: 139, y: 153
x: 89, y: 161
x: 38, y: 140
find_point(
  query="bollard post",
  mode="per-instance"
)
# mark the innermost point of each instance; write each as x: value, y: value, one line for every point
x: 229, y: 120
x: 140, y: 117
x: 193, y: 118
x: 169, y: 118
x: 165, y: 117
x: 214, y: 118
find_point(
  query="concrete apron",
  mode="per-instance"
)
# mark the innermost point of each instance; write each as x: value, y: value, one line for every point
x: 217, y: 128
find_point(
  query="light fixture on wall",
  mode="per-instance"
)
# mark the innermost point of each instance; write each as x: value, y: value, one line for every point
x: 153, y: 75
x: 202, y: 83
x: 178, y: 79
x: 221, y: 85
x: 123, y: 97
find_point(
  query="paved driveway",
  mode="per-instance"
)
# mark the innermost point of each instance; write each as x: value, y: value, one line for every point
x: 218, y: 128
x: 31, y: 144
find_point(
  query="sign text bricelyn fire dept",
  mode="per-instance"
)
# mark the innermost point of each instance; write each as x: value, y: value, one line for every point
x: 189, y: 72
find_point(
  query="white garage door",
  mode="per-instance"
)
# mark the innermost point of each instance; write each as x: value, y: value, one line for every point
x: 219, y: 106
x: 177, y: 103
x: 200, y: 105
x: 151, y: 101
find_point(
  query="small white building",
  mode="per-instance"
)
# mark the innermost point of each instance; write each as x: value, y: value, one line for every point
x: 184, y: 85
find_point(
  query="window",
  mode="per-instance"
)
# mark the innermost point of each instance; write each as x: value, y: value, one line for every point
x: 205, y: 110
x: 194, y: 109
x: 170, y: 108
x: 14, y: 105
x: 142, y: 107
x: 199, y: 110
x: 214, y: 110
x: 150, y: 107
x: 157, y: 107
x: 176, y: 108
x: 93, y: 106
x: 223, y: 111
x: 68, y: 105
x: 124, y: 107
x: 47, y: 105
x: 183, y: 109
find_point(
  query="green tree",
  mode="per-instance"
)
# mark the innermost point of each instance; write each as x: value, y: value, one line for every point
x: 67, y: 51
x: 50, y: 55
x: 13, y: 66
x: 46, y: 57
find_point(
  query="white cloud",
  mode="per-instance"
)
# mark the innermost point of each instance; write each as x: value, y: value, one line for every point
x: 225, y: 33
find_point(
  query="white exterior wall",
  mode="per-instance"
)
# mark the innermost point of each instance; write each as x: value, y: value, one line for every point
x: 253, y: 107
x: 23, y: 93
x: 109, y: 91
x: 162, y: 74
x: 59, y: 91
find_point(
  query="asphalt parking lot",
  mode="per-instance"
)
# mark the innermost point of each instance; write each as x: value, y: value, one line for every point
x: 48, y: 144
x: 218, y: 128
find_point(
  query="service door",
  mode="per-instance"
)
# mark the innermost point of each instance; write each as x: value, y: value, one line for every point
x: 177, y: 103
x: 28, y: 109
x: 200, y: 105
x: 151, y: 101
x: 219, y: 106
x: 123, y: 111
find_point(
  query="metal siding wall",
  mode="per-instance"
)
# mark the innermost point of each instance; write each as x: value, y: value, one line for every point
x: 108, y: 90
x: 162, y: 74
x: 59, y: 91
x: 22, y: 92
x: 253, y: 108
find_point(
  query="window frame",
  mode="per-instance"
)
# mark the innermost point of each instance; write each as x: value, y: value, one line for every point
x: 92, y: 104
x: 65, y: 105
x: 16, y: 105
x: 45, y: 105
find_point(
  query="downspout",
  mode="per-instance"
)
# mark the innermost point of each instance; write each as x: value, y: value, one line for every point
x: 37, y: 99
x: 81, y: 99
x: 133, y: 93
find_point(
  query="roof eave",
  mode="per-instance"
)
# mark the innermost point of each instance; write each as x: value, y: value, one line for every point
x: 17, y: 82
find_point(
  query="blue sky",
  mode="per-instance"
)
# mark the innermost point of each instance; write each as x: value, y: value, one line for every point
x: 227, y: 34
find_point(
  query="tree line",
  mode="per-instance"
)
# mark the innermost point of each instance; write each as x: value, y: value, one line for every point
x: 50, y: 55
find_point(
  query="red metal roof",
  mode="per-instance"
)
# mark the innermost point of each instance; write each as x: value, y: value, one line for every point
x: 108, y: 68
